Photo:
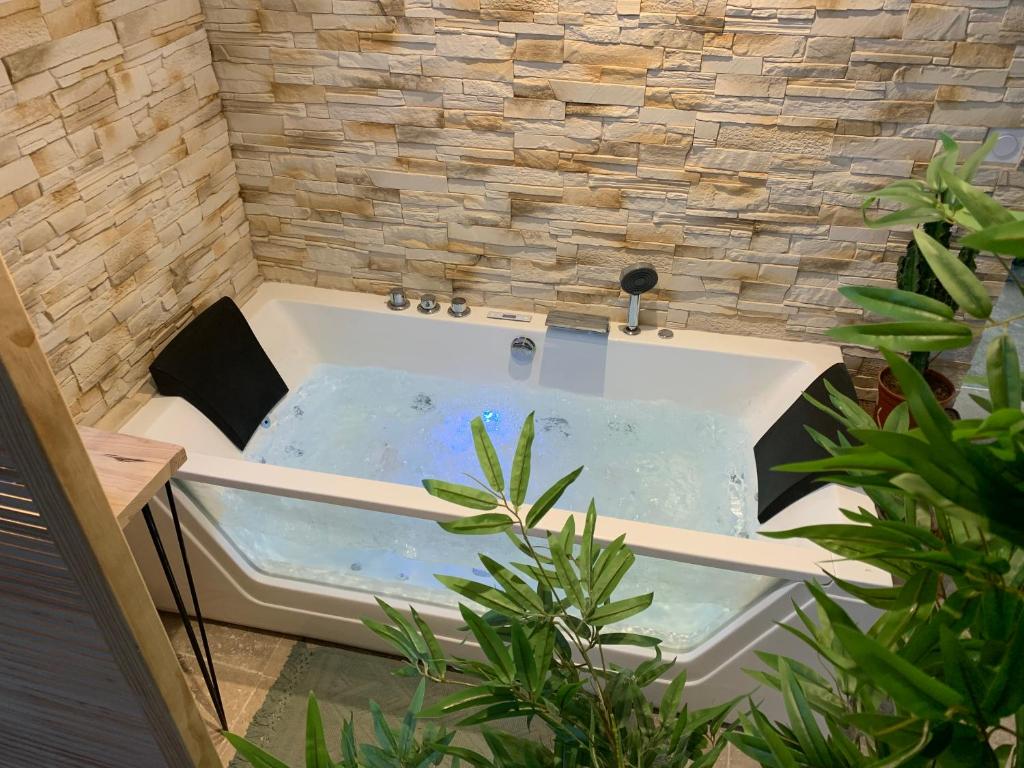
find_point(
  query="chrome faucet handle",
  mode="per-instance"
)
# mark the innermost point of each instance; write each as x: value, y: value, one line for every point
x: 459, y: 307
x: 428, y: 304
x: 397, y: 299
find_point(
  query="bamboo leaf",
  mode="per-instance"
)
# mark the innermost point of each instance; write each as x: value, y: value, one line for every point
x: 513, y: 585
x: 901, y: 305
x: 437, y: 660
x: 550, y: 497
x: 801, y: 719
x: 1006, y: 689
x: 955, y: 276
x: 1003, y: 369
x: 489, y: 643
x: 463, y: 495
x: 906, y: 336
x: 479, y: 525
x: 567, y: 578
x: 909, y: 687
x: 981, y: 206
x: 316, y: 744
x: 619, y: 610
x: 487, y: 456
x: 1005, y: 238
x: 628, y: 638
x: 522, y: 658
x: 611, y: 566
x: 520, y: 479
x: 977, y: 157
x: 257, y: 757
x: 486, y: 596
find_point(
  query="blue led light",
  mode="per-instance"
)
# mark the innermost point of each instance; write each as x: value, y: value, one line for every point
x: 490, y: 416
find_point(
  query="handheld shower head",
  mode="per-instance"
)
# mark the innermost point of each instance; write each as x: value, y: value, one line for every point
x: 638, y: 278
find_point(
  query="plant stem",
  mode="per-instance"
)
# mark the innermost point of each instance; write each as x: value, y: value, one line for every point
x: 598, y: 690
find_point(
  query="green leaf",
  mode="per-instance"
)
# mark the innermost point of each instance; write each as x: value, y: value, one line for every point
x: 257, y: 757
x: 909, y: 687
x: 945, y: 159
x: 521, y: 463
x: 985, y: 210
x: 316, y: 744
x: 673, y: 695
x: 628, y: 638
x: 490, y: 644
x: 906, y: 336
x: 486, y: 596
x: 567, y: 578
x: 908, y: 216
x: 487, y: 456
x: 892, y: 302
x: 479, y: 525
x: 1003, y: 368
x: 783, y: 755
x: 955, y: 276
x: 550, y: 497
x: 522, y: 658
x: 930, y: 417
x: 801, y: 718
x: 1005, y: 238
x: 619, y: 610
x: 436, y: 656
x: 463, y: 495
x: 513, y: 585
x: 1005, y: 692
x: 977, y: 157
x: 898, y: 419
x: 611, y: 566
x: 959, y: 671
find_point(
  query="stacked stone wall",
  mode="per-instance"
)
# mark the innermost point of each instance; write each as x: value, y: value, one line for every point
x: 520, y: 152
x: 120, y: 214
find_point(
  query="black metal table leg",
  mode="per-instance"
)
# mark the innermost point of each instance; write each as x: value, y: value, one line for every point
x: 203, y: 658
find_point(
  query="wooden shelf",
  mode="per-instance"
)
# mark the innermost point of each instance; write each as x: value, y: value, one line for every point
x: 132, y: 470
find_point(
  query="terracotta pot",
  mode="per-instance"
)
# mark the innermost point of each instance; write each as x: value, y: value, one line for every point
x: 889, y: 395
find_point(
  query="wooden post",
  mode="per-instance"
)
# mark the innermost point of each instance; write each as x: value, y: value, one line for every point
x: 89, y: 675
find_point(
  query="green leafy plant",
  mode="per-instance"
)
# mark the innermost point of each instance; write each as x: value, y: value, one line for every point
x: 937, y: 679
x: 542, y: 625
x: 404, y: 747
x: 923, y: 309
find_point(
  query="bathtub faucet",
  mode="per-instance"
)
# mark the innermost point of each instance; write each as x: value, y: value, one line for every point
x: 636, y: 279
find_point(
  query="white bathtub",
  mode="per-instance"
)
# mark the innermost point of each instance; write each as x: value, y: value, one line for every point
x: 300, y: 327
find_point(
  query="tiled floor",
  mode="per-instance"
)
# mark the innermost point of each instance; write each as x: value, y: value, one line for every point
x: 248, y: 662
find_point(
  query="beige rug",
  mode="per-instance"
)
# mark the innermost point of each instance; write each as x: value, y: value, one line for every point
x: 344, y: 682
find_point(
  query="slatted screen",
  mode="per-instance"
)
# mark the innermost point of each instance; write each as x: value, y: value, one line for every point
x: 63, y: 699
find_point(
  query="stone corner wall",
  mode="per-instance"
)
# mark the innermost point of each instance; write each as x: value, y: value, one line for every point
x: 120, y: 213
x: 520, y: 152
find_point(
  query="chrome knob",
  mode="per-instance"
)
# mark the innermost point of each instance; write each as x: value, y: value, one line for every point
x: 459, y: 307
x: 397, y: 300
x: 523, y: 349
x: 428, y: 304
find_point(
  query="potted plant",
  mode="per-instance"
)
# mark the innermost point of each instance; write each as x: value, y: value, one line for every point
x: 925, y: 309
x: 937, y: 679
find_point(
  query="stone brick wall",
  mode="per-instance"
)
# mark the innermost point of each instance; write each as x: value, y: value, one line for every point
x: 521, y: 151
x: 119, y: 205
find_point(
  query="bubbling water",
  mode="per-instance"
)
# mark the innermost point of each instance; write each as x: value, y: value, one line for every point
x: 651, y: 461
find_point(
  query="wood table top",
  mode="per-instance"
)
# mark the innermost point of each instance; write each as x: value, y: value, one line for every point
x: 132, y: 470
